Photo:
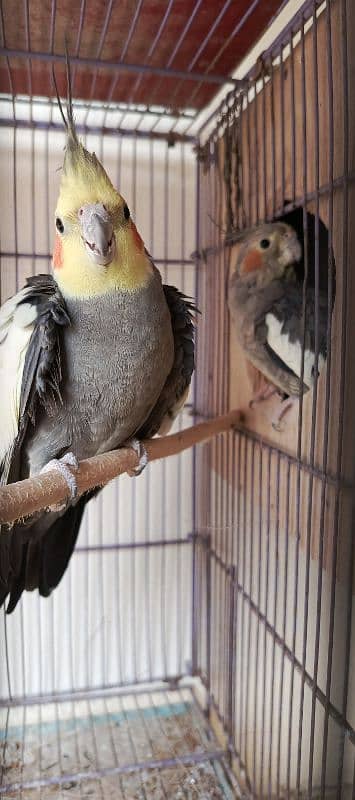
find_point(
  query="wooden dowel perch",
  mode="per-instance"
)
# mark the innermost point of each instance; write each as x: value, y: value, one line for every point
x: 19, y: 500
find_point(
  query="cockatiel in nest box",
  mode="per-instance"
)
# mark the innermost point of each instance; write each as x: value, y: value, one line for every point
x: 91, y: 356
x: 266, y: 303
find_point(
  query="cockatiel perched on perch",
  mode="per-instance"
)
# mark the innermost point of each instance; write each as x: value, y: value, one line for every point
x: 89, y: 358
x: 266, y: 305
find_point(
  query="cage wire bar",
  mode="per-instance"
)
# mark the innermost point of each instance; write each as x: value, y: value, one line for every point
x: 241, y: 601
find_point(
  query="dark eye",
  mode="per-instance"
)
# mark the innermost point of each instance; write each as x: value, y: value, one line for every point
x: 265, y: 243
x: 59, y: 225
x: 126, y: 212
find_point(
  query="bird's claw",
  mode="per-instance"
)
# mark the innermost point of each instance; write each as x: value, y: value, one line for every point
x: 277, y: 426
x: 284, y: 407
x: 139, y: 449
x: 65, y: 466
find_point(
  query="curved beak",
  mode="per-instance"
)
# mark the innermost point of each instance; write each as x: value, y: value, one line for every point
x: 97, y: 233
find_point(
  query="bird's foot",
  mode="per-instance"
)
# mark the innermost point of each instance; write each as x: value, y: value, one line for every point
x: 283, y: 409
x: 139, y: 449
x: 263, y: 394
x: 66, y: 466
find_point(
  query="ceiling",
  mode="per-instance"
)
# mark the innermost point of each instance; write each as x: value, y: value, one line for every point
x: 118, y: 47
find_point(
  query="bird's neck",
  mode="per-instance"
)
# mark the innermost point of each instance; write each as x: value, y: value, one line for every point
x: 84, y: 279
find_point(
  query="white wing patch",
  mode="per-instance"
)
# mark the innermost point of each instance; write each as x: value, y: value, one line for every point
x: 16, y: 326
x: 291, y: 352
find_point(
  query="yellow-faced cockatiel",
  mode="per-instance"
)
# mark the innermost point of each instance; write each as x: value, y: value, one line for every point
x: 266, y: 303
x: 90, y: 357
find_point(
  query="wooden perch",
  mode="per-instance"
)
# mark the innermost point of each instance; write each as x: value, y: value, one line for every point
x: 19, y: 500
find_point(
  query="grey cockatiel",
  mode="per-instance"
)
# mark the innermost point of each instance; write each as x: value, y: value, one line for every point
x: 266, y: 304
x: 97, y: 354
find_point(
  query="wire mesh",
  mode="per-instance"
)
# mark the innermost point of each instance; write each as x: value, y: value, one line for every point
x: 247, y: 583
x: 140, y: 56
x: 278, y: 526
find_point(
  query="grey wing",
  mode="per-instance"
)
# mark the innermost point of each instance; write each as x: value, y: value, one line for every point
x: 249, y: 310
x: 177, y: 384
x: 40, y: 302
x: 289, y: 310
x: 30, y: 356
x: 285, y: 333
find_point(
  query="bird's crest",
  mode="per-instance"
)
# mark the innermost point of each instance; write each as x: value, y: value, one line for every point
x: 68, y: 120
x: 81, y: 170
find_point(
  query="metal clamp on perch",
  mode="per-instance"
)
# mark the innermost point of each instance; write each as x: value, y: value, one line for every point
x: 18, y: 500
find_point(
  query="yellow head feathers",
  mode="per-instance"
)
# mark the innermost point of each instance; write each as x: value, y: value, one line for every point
x: 97, y: 248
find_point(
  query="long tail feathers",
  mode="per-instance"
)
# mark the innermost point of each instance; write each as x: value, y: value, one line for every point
x: 42, y: 562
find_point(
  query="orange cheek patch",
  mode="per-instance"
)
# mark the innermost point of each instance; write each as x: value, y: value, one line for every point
x: 136, y: 237
x: 252, y: 261
x: 57, y: 253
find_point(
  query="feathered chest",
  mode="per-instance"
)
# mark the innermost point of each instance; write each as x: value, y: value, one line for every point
x: 115, y: 356
x: 117, y: 347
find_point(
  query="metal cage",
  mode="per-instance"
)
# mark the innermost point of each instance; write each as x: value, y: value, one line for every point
x: 201, y: 642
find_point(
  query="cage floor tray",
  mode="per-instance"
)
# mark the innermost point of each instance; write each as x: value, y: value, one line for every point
x: 149, y: 744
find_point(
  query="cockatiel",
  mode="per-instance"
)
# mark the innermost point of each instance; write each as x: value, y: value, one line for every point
x: 265, y: 299
x: 90, y: 357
